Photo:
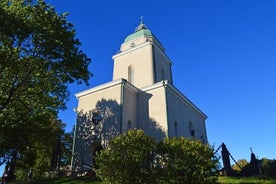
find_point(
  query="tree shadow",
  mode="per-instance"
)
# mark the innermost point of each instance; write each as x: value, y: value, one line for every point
x: 155, y: 130
x: 94, y: 129
x: 150, y: 126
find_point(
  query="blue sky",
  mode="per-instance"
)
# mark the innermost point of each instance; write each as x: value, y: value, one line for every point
x: 224, y: 55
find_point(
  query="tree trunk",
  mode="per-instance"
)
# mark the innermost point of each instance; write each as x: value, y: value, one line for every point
x: 11, y: 167
x: 56, y: 157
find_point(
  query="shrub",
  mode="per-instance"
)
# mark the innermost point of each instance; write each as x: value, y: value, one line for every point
x: 134, y: 157
x: 242, y: 164
x: 183, y: 160
x: 126, y: 159
x: 269, y: 167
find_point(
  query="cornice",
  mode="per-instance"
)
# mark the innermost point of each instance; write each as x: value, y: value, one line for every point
x: 131, y: 49
x: 100, y: 87
x: 185, y: 99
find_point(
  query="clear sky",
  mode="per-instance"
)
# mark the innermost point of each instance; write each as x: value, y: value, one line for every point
x: 223, y: 53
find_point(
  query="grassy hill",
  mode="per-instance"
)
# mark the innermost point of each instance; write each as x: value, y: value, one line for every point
x: 92, y: 180
x: 64, y: 180
x: 247, y: 180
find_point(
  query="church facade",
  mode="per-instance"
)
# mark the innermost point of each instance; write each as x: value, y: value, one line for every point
x: 141, y: 95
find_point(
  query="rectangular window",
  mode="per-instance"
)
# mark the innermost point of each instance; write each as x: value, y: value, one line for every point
x: 130, y: 74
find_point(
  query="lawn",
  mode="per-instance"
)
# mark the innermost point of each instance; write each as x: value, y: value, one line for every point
x: 64, y: 180
x: 248, y: 180
x: 92, y: 180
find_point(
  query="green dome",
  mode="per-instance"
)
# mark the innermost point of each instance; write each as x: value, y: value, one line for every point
x: 141, y: 30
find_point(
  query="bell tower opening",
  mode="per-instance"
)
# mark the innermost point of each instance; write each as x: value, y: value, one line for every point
x: 96, y: 149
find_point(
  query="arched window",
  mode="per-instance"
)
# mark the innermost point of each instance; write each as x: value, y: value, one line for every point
x: 202, y: 139
x: 96, y: 149
x: 175, y: 129
x: 191, y: 129
x: 129, y: 125
x: 130, y: 74
x: 163, y: 74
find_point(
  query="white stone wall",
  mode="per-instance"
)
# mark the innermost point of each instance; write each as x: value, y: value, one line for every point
x: 105, y: 100
x: 89, y: 100
x: 140, y: 58
x: 185, y: 115
x: 152, y: 111
x: 129, y: 107
x: 162, y: 62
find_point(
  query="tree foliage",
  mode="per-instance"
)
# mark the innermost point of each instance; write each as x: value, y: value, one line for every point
x: 42, y: 156
x: 268, y: 167
x: 39, y: 57
x: 183, y: 160
x: 126, y: 159
x: 242, y: 163
x: 67, y: 146
x: 134, y: 157
x: 265, y: 167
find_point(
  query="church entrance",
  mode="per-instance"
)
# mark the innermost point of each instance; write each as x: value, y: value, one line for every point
x: 96, y: 149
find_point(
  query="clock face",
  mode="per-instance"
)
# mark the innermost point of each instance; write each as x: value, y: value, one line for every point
x: 132, y: 45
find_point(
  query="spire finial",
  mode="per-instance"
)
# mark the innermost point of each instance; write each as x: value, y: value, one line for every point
x: 142, y: 20
x: 141, y: 25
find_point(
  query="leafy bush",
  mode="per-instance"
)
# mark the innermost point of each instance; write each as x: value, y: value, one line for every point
x: 126, y: 160
x: 269, y: 167
x: 242, y: 164
x: 134, y: 157
x: 184, y: 160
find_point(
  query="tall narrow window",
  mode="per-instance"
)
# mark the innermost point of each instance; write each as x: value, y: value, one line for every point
x: 163, y: 74
x: 191, y: 129
x: 130, y: 74
x: 175, y: 129
x: 129, y: 125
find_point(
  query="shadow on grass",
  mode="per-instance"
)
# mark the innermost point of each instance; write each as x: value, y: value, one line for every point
x: 65, y: 180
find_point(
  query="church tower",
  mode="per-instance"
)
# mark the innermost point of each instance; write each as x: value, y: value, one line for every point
x: 142, y: 59
x: 141, y: 95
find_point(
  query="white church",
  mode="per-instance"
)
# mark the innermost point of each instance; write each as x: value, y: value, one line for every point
x: 141, y: 95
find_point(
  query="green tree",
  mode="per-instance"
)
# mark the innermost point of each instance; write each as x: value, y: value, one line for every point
x: 182, y: 160
x: 39, y: 57
x: 40, y: 156
x: 67, y: 145
x: 268, y: 167
x: 242, y: 163
x: 127, y: 159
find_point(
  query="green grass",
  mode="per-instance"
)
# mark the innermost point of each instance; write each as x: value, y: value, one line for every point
x: 93, y: 180
x: 248, y: 180
x: 64, y: 180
